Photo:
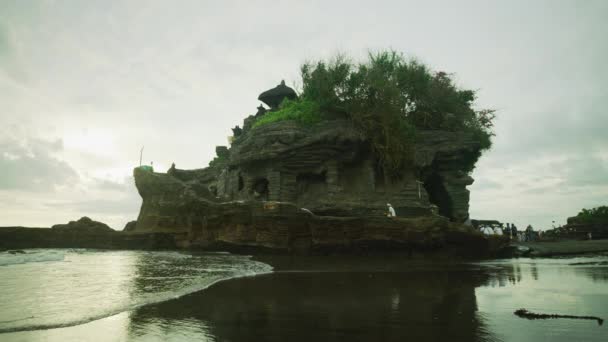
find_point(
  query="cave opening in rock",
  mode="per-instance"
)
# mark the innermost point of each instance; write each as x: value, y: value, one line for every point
x: 438, y: 195
x: 260, y: 188
x: 379, y: 181
x: 311, y: 185
x: 241, y: 183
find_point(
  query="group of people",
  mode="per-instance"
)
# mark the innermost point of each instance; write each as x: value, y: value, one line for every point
x: 528, y: 235
x: 510, y: 230
x: 491, y: 230
x: 496, y: 228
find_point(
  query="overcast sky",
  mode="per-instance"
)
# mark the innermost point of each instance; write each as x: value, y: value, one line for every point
x: 85, y: 84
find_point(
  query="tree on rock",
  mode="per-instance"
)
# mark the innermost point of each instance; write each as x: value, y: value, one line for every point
x: 388, y: 98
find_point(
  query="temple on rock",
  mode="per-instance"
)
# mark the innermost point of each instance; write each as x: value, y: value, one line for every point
x: 330, y: 169
x: 318, y: 175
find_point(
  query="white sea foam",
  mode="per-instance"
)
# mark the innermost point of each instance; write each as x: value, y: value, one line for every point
x: 89, y: 287
x: 32, y: 255
x: 157, y: 298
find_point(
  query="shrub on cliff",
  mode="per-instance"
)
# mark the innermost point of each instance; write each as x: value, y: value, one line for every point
x: 594, y: 215
x: 387, y: 98
x: 303, y: 111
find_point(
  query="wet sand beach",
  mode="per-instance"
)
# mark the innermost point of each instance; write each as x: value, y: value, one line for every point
x: 565, y: 247
x: 369, y: 299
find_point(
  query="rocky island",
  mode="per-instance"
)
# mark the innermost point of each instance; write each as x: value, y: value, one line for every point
x: 294, y: 182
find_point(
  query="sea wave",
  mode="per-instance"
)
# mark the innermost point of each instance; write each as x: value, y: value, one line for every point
x: 27, y: 256
x: 253, y: 268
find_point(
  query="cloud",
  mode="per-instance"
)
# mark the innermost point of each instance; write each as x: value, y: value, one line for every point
x: 101, y: 206
x: 590, y: 171
x: 31, y: 165
x: 486, y: 184
x: 111, y: 202
x: 110, y: 185
x: 540, y: 190
x: 4, y: 44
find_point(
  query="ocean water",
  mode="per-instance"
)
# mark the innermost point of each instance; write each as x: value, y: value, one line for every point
x: 86, y: 295
x: 53, y: 288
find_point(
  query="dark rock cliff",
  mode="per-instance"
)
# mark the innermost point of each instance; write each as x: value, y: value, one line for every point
x: 84, y: 224
x: 328, y: 169
x: 296, y: 188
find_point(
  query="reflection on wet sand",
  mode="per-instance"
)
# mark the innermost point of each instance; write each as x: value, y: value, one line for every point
x: 596, y: 271
x: 421, y: 304
x: 559, y: 288
x: 364, y: 299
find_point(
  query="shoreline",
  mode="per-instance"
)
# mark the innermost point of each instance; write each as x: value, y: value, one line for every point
x: 563, y: 247
x: 19, y: 238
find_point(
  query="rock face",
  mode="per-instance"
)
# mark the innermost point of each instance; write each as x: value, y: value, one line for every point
x: 285, y: 228
x: 84, y: 224
x: 23, y: 237
x: 84, y: 233
x: 328, y: 169
x: 291, y: 187
x: 130, y: 226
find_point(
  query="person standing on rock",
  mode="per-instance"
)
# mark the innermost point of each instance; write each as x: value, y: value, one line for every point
x: 391, y: 211
x: 529, y: 233
x: 171, y: 171
x: 514, y: 231
x: 505, y: 231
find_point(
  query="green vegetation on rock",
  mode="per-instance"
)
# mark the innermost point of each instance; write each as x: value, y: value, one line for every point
x: 301, y: 110
x: 599, y: 214
x: 146, y: 168
x: 388, y: 98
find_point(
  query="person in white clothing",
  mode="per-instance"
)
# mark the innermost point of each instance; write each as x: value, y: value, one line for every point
x: 391, y: 211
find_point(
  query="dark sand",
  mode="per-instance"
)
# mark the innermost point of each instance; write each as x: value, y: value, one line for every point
x: 333, y: 299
